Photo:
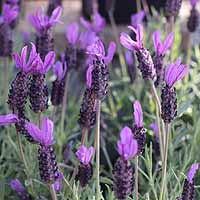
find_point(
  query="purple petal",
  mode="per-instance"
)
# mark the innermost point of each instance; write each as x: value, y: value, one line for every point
x: 47, y: 131
x: 89, y: 75
x: 192, y: 172
x: 127, y: 42
x: 175, y: 72
x: 55, y: 15
x: 9, y: 12
x: 8, y: 119
x: 156, y: 41
x: 17, y: 60
x: 129, y: 58
x: 193, y: 3
x: 99, y: 23
x: 111, y: 52
x: 127, y: 146
x: 137, y: 18
x: 154, y: 127
x: 138, y: 116
x: 17, y: 186
x: 23, y: 57
x: 72, y: 32
x: 58, y: 70
x: 167, y: 43
x: 49, y: 61
x: 84, y: 154
x: 87, y: 38
x: 35, y: 132
x: 85, y: 23
x: 97, y: 49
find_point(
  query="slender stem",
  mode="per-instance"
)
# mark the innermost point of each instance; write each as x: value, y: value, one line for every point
x: 54, y: 113
x: 98, y: 110
x: 138, y: 5
x: 158, y: 116
x: 136, y: 178
x: 21, y: 150
x: 171, y: 24
x: 64, y: 104
x: 84, y: 135
x: 53, y: 192
x: 115, y: 32
x: 164, y: 172
x: 39, y: 119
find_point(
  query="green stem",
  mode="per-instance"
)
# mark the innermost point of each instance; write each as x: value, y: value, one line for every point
x: 158, y: 116
x: 53, y: 192
x: 164, y: 171
x: 98, y: 111
x: 84, y: 136
x: 136, y: 178
x: 64, y: 104
x: 138, y: 5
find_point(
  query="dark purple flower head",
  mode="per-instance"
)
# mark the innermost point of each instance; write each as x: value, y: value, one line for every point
x: 127, y: 145
x: 9, y: 13
x: 127, y: 41
x: 43, y: 67
x: 44, y: 135
x: 8, y: 119
x: 87, y: 38
x: 175, y: 72
x: 41, y: 22
x: 138, y: 116
x: 98, y: 23
x: 24, y: 63
x: 72, y: 33
x: 97, y: 49
x: 192, y: 172
x: 154, y: 127
x: 84, y: 154
x: 59, y: 71
x: 161, y: 48
x: 137, y: 18
x: 17, y: 186
x: 193, y: 3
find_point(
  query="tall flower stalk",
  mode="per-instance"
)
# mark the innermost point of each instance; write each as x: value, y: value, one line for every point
x: 173, y: 73
x: 98, y: 76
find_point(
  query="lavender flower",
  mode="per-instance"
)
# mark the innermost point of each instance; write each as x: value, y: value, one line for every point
x: 100, y: 71
x: 8, y: 119
x: 85, y: 170
x: 188, y: 188
x: 146, y: 65
x: 122, y: 172
x: 173, y: 73
x: 47, y: 160
x: 43, y: 25
x: 172, y: 7
x: 98, y: 23
x: 38, y: 93
x: 193, y: 20
x: 58, y: 87
x: 9, y: 14
x: 160, y: 51
x: 58, y: 182
x: 138, y: 130
x: 19, y: 188
x: 137, y: 18
x: 130, y: 61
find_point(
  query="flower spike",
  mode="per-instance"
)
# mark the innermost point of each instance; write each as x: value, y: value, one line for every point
x: 59, y: 71
x: 192, y: 172
x: 72, y: 33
